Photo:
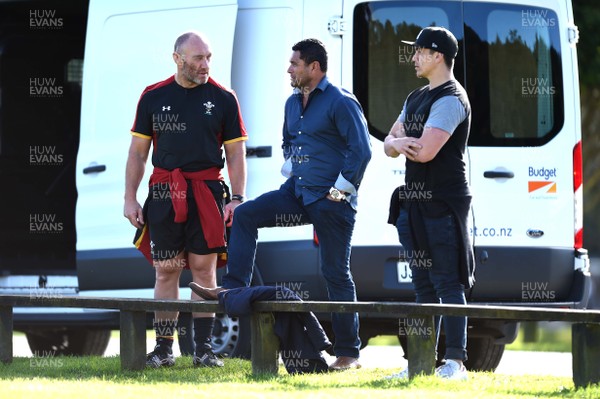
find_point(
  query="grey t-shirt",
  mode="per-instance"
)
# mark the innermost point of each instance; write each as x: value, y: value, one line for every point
x: 445, y: 114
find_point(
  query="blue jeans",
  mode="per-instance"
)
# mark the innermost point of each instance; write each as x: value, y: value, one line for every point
x: 333, y: 223
x: 436, y: 279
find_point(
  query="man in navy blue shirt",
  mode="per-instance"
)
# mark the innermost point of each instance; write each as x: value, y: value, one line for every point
x: 326, y: 146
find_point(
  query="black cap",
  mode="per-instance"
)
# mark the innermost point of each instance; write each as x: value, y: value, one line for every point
x: 438, y: 39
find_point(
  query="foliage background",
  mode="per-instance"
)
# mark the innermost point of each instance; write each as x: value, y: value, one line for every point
x: 587, y: 18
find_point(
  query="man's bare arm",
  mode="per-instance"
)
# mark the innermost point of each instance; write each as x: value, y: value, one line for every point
x: 134, y: 172
x: 396, y: 143
x: 235, y: 154
x: 432, y: 140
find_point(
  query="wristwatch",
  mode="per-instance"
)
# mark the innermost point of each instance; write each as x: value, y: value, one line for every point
x: 337, y: 194
x: 238, y: 197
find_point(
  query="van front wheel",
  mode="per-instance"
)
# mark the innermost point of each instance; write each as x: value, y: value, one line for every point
x: 231, y: 336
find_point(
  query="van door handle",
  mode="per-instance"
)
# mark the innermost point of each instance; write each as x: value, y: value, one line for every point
x: 498, y: 174
x: 259, y: 152
x: 94, y: 169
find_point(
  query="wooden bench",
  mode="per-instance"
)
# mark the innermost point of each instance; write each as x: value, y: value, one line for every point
x: 585, y: 328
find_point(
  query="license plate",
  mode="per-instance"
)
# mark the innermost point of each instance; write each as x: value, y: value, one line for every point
x: 404, y: 272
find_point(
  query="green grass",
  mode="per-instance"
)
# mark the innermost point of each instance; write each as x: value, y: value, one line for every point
x: 384, y: 340
x: 96, y: 377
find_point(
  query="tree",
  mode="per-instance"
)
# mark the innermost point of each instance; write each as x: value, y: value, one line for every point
x: 587, y: 18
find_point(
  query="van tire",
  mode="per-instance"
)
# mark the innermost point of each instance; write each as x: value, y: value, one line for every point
x: 231, y: 336
x: 484, y: 354
x: 70, y: 342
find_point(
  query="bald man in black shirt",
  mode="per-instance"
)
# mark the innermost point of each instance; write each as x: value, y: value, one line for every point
x: 189, y: 119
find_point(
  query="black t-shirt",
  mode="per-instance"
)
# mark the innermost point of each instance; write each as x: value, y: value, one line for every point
x: 188, y: 127
x: 446, y: 172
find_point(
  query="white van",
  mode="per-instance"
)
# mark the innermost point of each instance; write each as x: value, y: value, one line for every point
x: 72, y: 77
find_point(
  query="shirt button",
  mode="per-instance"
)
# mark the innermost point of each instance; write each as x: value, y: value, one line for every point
x: 301, y: 116
x: 300, y: 178
x: 300, y: 147
x: 299, y: 131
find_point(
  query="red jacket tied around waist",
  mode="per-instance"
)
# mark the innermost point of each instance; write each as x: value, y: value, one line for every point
x: 210, y: 217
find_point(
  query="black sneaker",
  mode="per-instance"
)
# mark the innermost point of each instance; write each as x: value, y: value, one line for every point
x: 207, y: 358
x: 160, y: 357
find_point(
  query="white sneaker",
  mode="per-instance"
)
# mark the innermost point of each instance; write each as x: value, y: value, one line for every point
x: 403, y: 375
x: 451, y: 370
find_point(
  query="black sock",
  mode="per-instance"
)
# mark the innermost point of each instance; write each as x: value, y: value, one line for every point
x: 165, y: 329
x: 203, y: 329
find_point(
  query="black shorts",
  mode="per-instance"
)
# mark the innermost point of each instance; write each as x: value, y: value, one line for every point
x: 167, y: 238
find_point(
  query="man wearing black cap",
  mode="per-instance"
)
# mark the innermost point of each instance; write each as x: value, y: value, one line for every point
x: 432, y: 132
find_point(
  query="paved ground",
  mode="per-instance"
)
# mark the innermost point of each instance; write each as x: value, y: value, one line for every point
x: 390, y: 357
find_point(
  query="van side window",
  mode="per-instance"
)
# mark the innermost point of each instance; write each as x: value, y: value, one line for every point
x: 384, y: 73
x: 509, y: 61
x: 514, y: 76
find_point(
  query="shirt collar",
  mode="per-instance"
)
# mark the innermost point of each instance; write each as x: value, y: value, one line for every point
x: 321, y: 86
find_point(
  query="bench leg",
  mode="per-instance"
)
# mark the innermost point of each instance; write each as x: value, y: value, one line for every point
x: 420, y: 335
x: 264, y: 344
x: 586, y: 354
x: 6, y: 334
x: 133, y: 340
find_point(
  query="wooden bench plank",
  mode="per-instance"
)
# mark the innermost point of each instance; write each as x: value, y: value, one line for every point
x: 398, y: 309
x: 391, y: 309
x: 6, y: 334
x: 586, y: 333
x: 131, y: 304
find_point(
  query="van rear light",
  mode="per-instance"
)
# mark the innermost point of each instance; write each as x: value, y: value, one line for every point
x: 577, y: 167
x: 578, y: 194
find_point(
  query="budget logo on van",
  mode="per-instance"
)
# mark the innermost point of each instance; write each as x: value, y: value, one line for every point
x: 539, y: 188
x: 542, y: 187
